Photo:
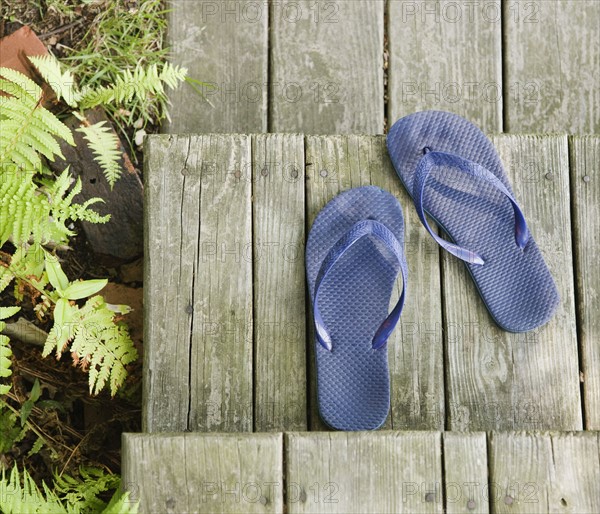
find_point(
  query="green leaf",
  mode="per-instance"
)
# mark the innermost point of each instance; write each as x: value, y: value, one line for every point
x: 56, y: 275
x: 62, y: 83
x: 84, y: 289
x: 8, y: 312
x: 34, y: 396
x: 63, y: 312
x: 37, y: 446
x: 36, y: 391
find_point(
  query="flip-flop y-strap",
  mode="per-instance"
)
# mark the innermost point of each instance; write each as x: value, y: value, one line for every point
x: 434, y: 160
x: 359, y: 230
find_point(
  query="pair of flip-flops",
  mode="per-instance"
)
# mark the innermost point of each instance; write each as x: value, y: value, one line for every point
x: 355, y: 252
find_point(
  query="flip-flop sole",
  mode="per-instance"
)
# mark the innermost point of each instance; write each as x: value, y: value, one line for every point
x: 515, y: 285
x: 352, y: 380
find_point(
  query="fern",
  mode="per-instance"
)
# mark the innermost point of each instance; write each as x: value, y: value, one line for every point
x: 19, y: 494
x: 138, y: 85
x: 62, y: 83
x: 5, y: 352
x: 36, y: 211
x: 98, y: 342
x: 39, y: 215
x: 28, y: 129
x: 29, y: 210
x: 103, y: 142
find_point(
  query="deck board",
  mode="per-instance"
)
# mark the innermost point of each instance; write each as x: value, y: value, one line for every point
x: 195, y: 473
x: 557, y: 472
x: 199, y: 328
x: 391, y: 472
x: 379, y: 472
x: 585, y: 179
x: 326, y: 74
x: 279, y: 283
x: 465, y: 472
x: 223, y: 44
x: 167, y: 284
x: 503, y: 381
x: 552, y: 66
x: 446, y: 56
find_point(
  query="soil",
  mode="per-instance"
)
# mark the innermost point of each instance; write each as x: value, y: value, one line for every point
x: 80, y: 429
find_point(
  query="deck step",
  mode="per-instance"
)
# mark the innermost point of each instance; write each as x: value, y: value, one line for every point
x: 378, y: 472
x: 323, y: 67
x: 228, y: 347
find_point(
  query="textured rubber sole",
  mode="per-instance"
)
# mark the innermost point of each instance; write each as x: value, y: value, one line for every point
x: 353, y: 380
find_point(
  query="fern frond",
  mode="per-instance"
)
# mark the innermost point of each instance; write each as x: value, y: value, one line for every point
x: 62, y: 83
x: 138, y: 84
x: 5, y: 352
x: 99, y: 341
x: 105, y: 145
x: 25, y: 496
x: 20, y: 494
x: 28, y: 129
x: 29, y: 213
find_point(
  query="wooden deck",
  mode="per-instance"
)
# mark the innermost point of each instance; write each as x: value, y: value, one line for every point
x: 229, y: 409
x: 395, y: 472
x: 355, y: 66
x: 228, y: 344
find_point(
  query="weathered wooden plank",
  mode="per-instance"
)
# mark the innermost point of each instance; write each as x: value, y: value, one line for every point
x: 223, y: 44
x: 194, y: 473
x: 335, y: 164
x: 465, y: 472
x: 446, y: 55
x: 363, y: 472
x: 585, y: 179
x: 556, y: 472
x: 553, y: 66
x: 327, y: 67
x: 279, y: 283
x: 495, y: 379
x: 198, y: 343
x: 221, y: 355
x: 167, y: 281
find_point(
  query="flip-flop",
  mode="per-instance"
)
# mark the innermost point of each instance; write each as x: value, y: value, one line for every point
x: 354, y: 252
x: 454, y: 174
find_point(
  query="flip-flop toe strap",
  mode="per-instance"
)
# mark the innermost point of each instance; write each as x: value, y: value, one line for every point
x: 433, y: 160
x: 355, y: 233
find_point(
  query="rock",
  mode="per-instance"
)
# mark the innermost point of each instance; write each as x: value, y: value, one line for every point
x: 14, y: 50
x: 123, y: 236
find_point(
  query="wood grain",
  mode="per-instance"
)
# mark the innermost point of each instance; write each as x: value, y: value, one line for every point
x: 326, y: 74
x: 446, y: 55
x: 552, y: 66
x: 380, y: 472
x: 541, y: 472
x: 279, y: 283
x: 465, y: 472
x: 198, y: 276
x: 224, y: 45
x: 194, y: 473
x: 585, y: 180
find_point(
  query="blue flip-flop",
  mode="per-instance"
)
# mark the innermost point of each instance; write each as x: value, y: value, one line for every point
x: 354, y: 252
x: 454, y: 174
